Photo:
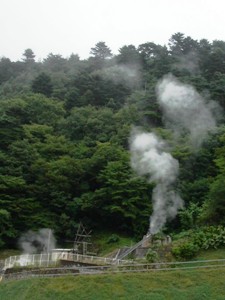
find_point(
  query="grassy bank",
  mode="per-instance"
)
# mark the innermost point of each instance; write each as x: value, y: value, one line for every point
x: 106, y: 243
x: 174, y: 285
x: 8, y: 252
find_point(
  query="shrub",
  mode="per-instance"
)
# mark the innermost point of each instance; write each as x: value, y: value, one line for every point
x: 185, y: 250
x: 114, y: 238
x: 152, y: 256
x: 209, y: 237
x: 203, y: 238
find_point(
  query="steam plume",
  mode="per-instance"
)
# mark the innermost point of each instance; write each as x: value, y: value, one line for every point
x: 37, y: 242
x: 189, y: 62
x: 125, y: 74
x: 185, y: 109
x: 148, y: 157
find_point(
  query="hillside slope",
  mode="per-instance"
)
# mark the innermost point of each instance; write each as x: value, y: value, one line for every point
x: 203, y: 284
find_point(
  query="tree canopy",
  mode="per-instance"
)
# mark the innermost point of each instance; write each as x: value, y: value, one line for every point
x: 65, y: 125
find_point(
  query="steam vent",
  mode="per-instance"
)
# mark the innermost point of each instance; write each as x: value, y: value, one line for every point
x: 149, y: 241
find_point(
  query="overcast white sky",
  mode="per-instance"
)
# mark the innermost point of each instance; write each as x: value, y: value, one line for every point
x: 74, y: 26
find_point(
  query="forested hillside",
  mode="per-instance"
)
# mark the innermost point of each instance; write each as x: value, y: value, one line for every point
x: 65, y: 127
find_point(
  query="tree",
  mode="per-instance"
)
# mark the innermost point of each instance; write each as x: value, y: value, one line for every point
x: 7, y: 232
x: 6, y: 69
x: 151, y: 50
x: 101, y: 51
x: 42, y: 84
x: 128, y: 55
x: 216, y: 60
x: 12, y: 115
x: 88, y: 123
x: 184, y: 52
x: 217, y: 88
x: 204, y: 53
x: 100, y: 56
x: 155, y: 59
x: 179, y: 44
x: 41, y: 110
x: 116, y: 197
x: 28, y: 56
x: 55, y: 63
x: 214, y: 207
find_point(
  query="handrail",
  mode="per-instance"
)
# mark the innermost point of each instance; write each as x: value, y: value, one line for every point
x: 71, y: 271
x: 130, y: 250
x: 51, y: 258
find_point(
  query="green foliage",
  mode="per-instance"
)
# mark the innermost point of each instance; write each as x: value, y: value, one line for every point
x: 89, y: 123
x: 191, y: 242
x: 128, y: 55
x: 152, y: 256
x: 114, y: 238
x: 214, y: 207
x: 55, y: 63
x: 116, y: 195
x: 42, y: 110
x: 42, y: 84
x: 189, y: 216
x: 209, y: 237
x: 28, y: 56
x: 6, y: 69
x: 64, y: 159
x: 101, y: 51
x: 186, y: 250
x: 7, y: 231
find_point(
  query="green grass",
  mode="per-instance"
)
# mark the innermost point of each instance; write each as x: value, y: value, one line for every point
x: 9, y: 252
x: 174, y: 285
x: 162, y: 285
x: 211, y: 254
x: 102, y: 246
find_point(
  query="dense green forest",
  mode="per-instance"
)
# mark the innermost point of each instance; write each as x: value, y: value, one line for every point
x: 65, y: 125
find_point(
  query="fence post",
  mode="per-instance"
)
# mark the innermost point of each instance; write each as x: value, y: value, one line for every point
x: 48, y: 260
x: 40, y: 261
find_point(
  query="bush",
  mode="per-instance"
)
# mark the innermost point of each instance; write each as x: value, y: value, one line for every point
x: 206, y: 237
x: 186, y: 250
x: 152, y: 256
x: 114, y: 238
x: 209, y: 237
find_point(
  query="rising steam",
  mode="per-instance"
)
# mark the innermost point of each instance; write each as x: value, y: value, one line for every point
x: 149, y: 158
x: 185, y: 109
x: 37, y: 242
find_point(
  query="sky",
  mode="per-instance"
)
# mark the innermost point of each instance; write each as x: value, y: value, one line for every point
x: 75, y: 26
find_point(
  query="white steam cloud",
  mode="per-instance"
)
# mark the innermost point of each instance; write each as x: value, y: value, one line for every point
x: 185, y: 109
x: 189, y: 62
x: 149, y: 158
x: 37, y: 242
x: 125, y: 74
